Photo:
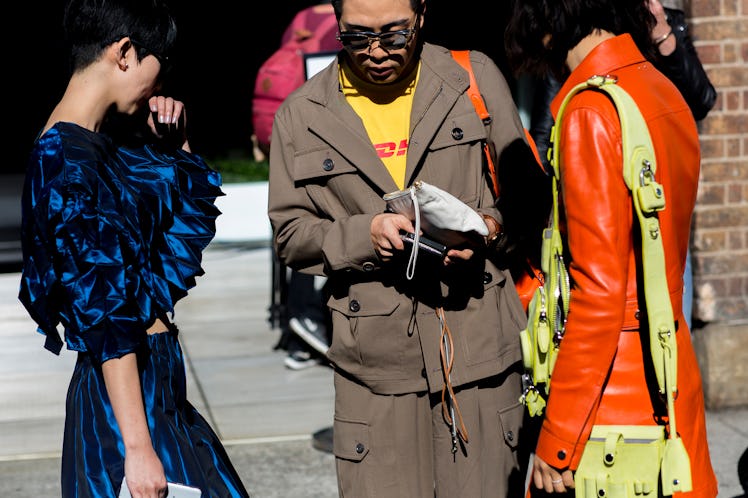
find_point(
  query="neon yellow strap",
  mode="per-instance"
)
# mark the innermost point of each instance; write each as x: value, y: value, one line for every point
x: 639, y: 168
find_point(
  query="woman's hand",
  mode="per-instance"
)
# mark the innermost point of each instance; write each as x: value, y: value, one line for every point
x: 143, y: 469
x: 551, y: 479
x: 168, y: 120
x: 144, y: 473
x: 662, y: 33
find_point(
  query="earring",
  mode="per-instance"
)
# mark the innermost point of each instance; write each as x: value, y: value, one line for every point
x: 127, y: 66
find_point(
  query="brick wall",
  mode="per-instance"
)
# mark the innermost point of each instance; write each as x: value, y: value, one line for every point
x: 720, y: 237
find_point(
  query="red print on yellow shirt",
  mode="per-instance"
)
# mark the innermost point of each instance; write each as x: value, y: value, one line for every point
x: 389, y: 149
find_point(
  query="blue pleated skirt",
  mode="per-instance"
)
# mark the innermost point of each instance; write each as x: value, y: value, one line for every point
x: 93, y: 455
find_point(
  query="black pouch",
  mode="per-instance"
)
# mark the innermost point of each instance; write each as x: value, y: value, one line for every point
x: 426, y: 246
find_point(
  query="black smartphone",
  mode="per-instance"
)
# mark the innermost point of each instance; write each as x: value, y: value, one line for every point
x: 425, y: 245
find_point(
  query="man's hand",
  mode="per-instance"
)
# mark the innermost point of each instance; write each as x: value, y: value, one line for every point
x: 454, y: 255
x: 385, y: 233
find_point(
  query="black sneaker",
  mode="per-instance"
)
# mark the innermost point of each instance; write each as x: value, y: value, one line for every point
x: 312, y: 332
x: 300, y: 360
x: 322, y: 440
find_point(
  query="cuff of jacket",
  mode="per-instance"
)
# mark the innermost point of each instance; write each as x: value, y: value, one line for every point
x: 347, y: 245
x: 557, y: 452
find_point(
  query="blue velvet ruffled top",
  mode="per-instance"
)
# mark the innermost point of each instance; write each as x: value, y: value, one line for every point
x: 112, y: 237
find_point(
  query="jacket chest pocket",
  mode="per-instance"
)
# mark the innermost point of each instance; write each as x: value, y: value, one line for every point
x: 459, y: 129
x: 333, y: 183
x: 458, y: 143
x: 319, y: 166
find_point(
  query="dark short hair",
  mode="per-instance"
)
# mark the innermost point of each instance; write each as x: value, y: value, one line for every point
x: 568, y: 22
x: 337, y: 5
x: 92, y: 25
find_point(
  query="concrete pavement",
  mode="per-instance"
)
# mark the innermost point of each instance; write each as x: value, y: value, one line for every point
x: 264, y: 412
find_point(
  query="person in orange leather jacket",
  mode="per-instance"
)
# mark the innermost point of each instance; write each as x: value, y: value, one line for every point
x: 601, y: 375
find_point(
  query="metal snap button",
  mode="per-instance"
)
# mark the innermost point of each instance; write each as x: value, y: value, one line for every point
x: 487, y: 277
x: 328, y: 164
x: 368, y: 266
x: 354, y: 306
x: 561, y: 455
x: 360, y: 448
x: 457, y: 133
x: 510, y: 436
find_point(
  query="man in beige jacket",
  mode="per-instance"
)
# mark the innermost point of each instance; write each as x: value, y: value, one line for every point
x: 427, y: 371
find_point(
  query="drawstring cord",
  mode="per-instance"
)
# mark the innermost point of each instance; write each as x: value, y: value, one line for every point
x: 450, y: 408
x: 411, y: 269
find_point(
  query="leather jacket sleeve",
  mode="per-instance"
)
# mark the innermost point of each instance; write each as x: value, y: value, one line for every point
x: 684, y: 68
x: 598, y: 222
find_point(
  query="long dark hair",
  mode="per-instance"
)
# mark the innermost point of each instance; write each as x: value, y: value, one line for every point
x: 564, y: 23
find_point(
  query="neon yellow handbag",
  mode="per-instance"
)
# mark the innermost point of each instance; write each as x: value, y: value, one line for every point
x: 621, y: 461
x: 546, y: 313
x: 626, y: 461
x: 546, y: 316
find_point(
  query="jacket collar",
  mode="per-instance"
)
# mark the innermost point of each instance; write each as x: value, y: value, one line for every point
x: 604, y: 59
x: 440, y: 83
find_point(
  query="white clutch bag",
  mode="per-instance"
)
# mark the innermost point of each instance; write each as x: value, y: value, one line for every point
x: 175, y: 491
x: 442, y: 216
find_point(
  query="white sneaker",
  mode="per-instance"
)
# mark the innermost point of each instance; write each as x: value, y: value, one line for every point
x: 300, y: 360
x: 312, y: 332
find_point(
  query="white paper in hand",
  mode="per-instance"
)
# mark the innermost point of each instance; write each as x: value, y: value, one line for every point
x: 175, y: 491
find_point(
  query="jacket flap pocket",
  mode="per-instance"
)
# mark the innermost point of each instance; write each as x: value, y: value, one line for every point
x: 369, y: 299
x: 350, y: 440
x: 324, y: 162
x: 511, y: 422
x: 457, y: 130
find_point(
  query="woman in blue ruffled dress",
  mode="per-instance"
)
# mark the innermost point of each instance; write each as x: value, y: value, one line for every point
x: 113, y: 235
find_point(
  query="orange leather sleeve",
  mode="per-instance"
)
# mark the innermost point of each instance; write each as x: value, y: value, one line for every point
x: 598, y: 221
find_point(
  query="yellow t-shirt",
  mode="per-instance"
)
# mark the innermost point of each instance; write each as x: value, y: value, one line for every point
x: 386, y: 117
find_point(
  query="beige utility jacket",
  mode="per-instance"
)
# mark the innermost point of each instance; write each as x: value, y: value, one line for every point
x: 326, y: 185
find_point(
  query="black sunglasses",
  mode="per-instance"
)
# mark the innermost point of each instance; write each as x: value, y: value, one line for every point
x: 388, y: 40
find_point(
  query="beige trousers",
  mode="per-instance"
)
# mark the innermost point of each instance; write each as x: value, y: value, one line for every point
x: 400, y: 446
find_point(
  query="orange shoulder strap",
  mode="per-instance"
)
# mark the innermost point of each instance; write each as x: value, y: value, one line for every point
x: 534, y: 147
x: 463, y: 58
